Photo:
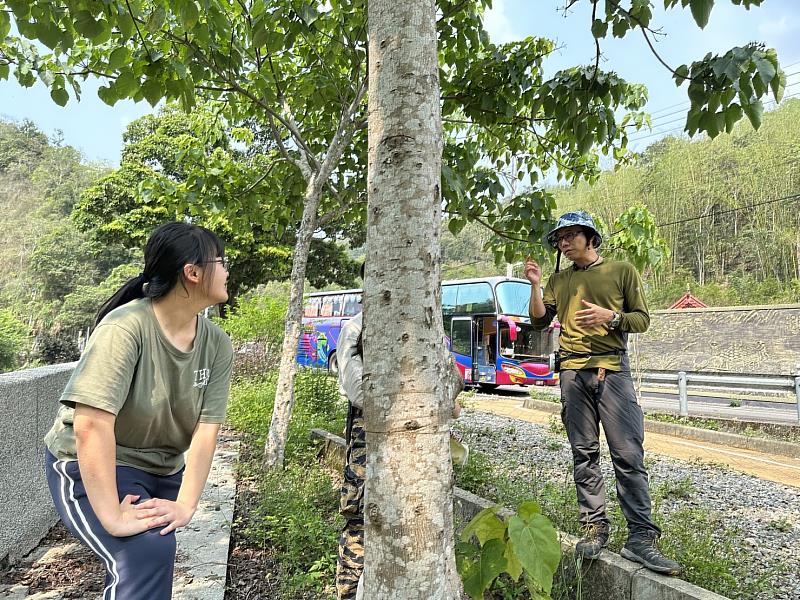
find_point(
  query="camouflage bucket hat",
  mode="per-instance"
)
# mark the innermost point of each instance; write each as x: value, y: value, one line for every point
x: 578, y: 217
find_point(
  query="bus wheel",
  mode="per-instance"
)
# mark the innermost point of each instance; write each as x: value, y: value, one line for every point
x: 333, y: 365
x: 488, y: 387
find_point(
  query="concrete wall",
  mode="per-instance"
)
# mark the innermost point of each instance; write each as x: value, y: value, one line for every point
x: 739, y: 339
x: 28, y: 405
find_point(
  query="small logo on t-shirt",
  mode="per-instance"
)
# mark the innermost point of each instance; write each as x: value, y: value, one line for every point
x: 201, y: 377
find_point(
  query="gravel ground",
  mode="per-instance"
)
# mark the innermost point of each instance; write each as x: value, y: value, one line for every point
x: 766, y: 514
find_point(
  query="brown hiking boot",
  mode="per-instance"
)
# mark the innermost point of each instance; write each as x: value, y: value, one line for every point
x: 642, y: 548
x: 593, y: 540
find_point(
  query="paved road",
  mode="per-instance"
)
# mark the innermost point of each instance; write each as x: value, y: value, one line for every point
x: 780, y: 469
x: 706, y: 406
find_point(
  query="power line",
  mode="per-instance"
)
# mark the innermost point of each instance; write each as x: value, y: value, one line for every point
x: 769, y: 104
x: 730, y: 210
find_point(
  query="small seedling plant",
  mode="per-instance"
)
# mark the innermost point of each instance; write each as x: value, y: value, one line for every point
x: 522, y: 545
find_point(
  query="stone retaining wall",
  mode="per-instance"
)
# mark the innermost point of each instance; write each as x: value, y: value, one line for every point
x: 740, y: 339
x: 28, y: 404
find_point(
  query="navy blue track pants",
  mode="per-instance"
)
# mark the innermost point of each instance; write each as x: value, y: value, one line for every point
x: 138, y: 567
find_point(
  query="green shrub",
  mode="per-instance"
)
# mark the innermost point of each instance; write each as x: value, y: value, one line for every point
x: 257, y: 318
x: 13, y: 338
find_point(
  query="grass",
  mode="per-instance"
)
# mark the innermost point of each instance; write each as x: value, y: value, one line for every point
x: 293, y: 512
x: 712, y: 550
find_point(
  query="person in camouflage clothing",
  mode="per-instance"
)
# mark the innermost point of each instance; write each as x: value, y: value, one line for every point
x: 350, y: 563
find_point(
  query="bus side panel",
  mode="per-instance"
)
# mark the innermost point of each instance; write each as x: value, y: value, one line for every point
x: 318, y: 341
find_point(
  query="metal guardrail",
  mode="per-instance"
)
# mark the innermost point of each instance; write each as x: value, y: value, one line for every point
x: 739, y: 382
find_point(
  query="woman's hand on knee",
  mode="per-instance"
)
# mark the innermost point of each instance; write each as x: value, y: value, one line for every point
x: 164, y: 513
x: 128, y: 522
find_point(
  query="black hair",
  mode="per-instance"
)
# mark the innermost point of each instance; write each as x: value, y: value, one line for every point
x: 592, y: 237
x: 169, y: 248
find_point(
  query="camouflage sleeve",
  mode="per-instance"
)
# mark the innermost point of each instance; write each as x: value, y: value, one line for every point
x: 351, y: 366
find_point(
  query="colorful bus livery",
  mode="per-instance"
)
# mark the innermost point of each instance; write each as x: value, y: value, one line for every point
x: 486, y: 322
x: 490, y: 334
x: 324, y: 315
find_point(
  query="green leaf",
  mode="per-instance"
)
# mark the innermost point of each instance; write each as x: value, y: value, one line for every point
x: 86, y: 25
x: 189, y: 14
x: 59, y: 96
x: 5, y: 23
x: 156, y: 19
x: 766, y: 70
x: 513, y: 566
x: 681, y: 74
x: 126, y: 84
x: 4, y: 71
x: 152, y: 91
x: 701, y: 11
x: 486, y: 525
x: 754, y: 112
x: 119, y: 57
x: 599, y: 28
x: 483, y: 571
x: 536, y: 547
x: 528, y: 509
x: 260, y: 35
x: 107, y: 95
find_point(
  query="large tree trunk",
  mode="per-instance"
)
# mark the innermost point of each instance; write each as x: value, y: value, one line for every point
x: 408, y: 500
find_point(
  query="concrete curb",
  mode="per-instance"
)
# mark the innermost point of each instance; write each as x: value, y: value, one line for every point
x: 201, y: 565
x: 694, y: 433
x: 610, y: 577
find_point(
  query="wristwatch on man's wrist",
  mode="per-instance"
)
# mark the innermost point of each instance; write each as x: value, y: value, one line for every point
x: 616, y: 319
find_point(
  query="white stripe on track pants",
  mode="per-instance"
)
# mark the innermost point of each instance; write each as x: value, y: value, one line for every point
x: 138, y: 567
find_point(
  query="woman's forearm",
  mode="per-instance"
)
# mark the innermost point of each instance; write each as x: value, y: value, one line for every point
x: 198, y: 464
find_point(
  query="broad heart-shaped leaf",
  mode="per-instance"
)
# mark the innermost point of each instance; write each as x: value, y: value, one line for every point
x: 485, y: 569
x: 701, y: 11
x: 59, y: 96
x: 754, y: 112
x: 486, y: 525
x: 536, y: 547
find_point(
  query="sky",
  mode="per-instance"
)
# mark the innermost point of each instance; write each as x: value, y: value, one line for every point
x: 96, y: 129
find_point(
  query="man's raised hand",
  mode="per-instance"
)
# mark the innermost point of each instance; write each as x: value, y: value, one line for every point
x: 533, y: 272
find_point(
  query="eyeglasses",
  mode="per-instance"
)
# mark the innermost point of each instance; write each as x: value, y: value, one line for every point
x: 226, y: 264
x: 566, y: 237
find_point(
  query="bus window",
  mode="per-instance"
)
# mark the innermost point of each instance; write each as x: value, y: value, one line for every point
x: 312, y: 307
x: 461, y: 336
x: 326, y: 310
x: 513, y: 298
x: 352, y: 305
x: 449, y: 293
x: 475, y: 298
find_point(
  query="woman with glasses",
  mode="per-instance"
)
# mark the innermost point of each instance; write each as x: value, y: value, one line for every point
x: 151, y: 385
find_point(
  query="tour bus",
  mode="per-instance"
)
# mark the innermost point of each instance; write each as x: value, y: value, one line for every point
x: 486, y: 322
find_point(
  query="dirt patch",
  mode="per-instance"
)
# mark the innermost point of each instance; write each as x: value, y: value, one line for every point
x: 59, y: 564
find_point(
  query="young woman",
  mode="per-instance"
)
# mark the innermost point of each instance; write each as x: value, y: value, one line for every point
x: 151, y: 385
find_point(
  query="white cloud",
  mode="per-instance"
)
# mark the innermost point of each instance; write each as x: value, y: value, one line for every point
x: 778, y: 27
x: 498, y: 24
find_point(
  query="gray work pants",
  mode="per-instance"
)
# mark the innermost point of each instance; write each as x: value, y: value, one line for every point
x: 585, y: 403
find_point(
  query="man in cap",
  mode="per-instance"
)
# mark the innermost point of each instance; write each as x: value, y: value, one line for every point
x: 598, y: 302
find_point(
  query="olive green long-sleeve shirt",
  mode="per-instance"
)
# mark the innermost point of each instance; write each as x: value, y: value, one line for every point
x: 610, y: 284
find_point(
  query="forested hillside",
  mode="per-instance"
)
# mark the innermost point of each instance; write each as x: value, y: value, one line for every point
x: 51, y: 274
x: 729, y: 210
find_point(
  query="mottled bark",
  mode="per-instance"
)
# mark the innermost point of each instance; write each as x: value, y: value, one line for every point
x: 408, y: 380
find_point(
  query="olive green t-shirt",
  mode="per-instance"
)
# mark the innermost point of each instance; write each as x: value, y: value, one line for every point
x: 157, y: 392
x: 610, y: 284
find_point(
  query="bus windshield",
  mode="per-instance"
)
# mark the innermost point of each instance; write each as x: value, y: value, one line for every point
x: 513, y: 298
